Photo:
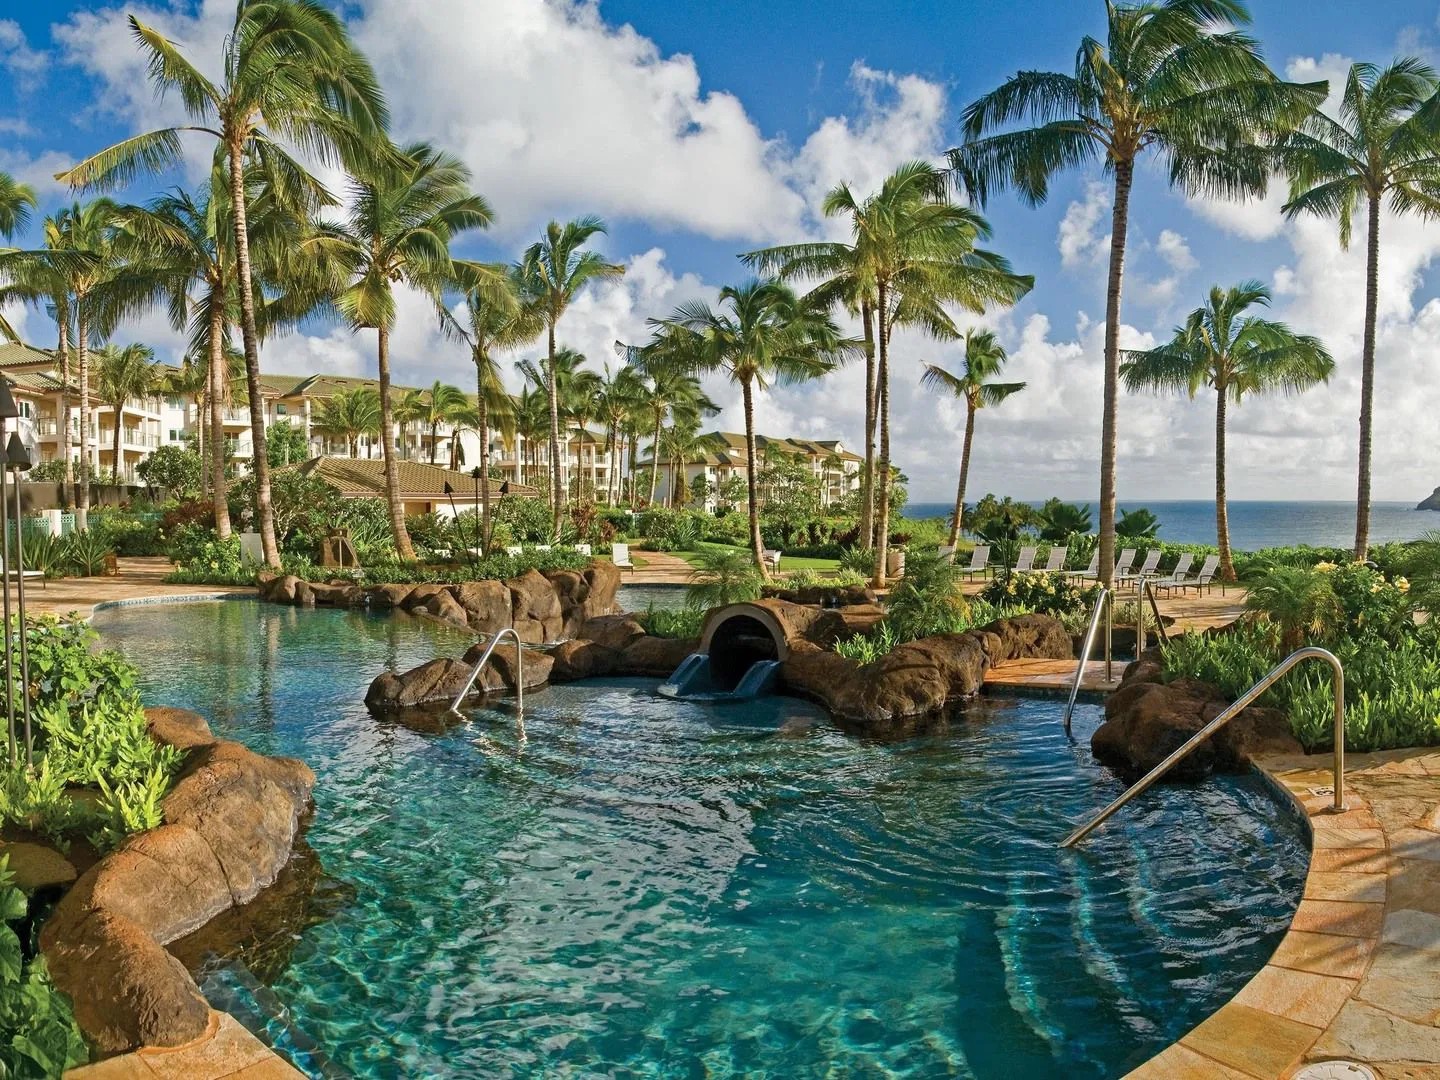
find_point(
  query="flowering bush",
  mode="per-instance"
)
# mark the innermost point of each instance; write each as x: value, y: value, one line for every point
x: 1049, y: 594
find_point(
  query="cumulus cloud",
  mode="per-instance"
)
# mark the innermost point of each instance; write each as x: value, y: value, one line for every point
x: 1078, y: 240
x: 24, y: 64
x: 1171, y: 247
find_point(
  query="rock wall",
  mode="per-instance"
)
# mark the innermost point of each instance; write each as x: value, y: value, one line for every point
x: 1146, y: 720
x: 230, y: 822
x: 920, y: 678
x: 541, y: 607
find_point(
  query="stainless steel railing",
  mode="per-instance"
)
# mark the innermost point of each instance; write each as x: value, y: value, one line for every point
x: 1105, y: 603
x: 485, y: 659
x: 1144, y: 783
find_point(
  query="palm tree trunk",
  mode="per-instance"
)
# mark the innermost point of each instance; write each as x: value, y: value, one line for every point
x: 217, y: 376
x: 82, y: 481
x: 264, y: 508
x: 403, y: 547
x: 119, y: 409
x: 752, y: 494
x: 483, y: 409
x: 867, y: 475
x: 1119, y: 224
x: 1222, y: 512
x: 1367, y: 384
x: 552, y: 390
x: 655, y: 457
x: 67, y: 496
x: 964, y: 476
x: 882, y: 393
x: 434, y: 436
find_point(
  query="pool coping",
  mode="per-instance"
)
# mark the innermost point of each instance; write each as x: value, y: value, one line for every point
x: 1354, y: 978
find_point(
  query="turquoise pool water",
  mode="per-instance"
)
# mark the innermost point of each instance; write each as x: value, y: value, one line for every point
x: 647, y: 888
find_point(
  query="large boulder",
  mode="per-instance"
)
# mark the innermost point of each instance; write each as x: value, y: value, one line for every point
x: 611, y: 631
x: 603, y: 579
x: 231, y: 821
x: 654, y: 657
x: 1431, y: 501
x: 502, y: 670
x: 581, y: 659
x: 1147, y: 720
x: 823, y: 676
x: 419, y: 595
x: 443, y: 606
x: 486, y: 605
x: 387, y: 597
x: 535, y: 610
x: 921, y: 677
x: 435, y: 682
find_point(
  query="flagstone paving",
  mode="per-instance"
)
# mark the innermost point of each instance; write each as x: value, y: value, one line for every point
x: 1358, y: 976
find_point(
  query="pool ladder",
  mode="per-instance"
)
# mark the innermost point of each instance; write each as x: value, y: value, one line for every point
x: 495, y: 640
x: 1310, y: 652
x: 1105, y: 603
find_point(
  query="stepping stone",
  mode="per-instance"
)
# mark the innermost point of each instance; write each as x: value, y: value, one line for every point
x: 36, y: 866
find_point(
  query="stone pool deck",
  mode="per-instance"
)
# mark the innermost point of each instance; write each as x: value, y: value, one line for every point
x: 1052, y: 676
x: 138, y: 579
x: 1357, y: 978
x: 226, y: 1052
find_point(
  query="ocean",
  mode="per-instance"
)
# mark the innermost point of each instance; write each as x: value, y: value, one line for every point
x: 1255, y: 525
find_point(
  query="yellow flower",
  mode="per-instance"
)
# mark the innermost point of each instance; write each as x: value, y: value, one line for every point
x: 1376, y: 586
x: 1325, y: 567
x: 1402, y: 584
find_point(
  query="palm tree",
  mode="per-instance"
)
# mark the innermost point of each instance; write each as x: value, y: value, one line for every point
x: 1060, y: 521
x: 410, y: 408
x: 580, y: 402
x: 1172, y: 76
x: 494, y: 320
x: 666, y: 385
x: 440, y: 405
x: 289, y: 72
x: 532, y: 424
x: 618, y: 401
x: 122, y: 374
x: 1385, y: 148
x: 401, y: 222
x: 16, y: 202
x: 349, y: 414
x: 761, y: 333
x: 913, y: 252
x: 984, y: 358
x: 553, y: 272
x: 1233, y: 353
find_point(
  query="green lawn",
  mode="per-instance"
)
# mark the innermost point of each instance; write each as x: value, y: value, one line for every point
x: 787, y: 562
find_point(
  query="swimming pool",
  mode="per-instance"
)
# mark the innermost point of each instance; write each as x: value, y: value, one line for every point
x: 644, y: 597
x: 656, y: 889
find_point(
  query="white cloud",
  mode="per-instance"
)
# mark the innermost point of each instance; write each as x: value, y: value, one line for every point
x: 1175, y: 251
x: 25, y: 65
x: 1077, y: 240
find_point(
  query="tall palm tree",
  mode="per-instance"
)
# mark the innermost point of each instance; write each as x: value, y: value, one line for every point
x: 580, y: 403
x: 409, y: 409
x: 619, y: 399
x: 1222, y: 347
x: 1173, y: 77
x: 494, y: 320
x: 761, y: 333
x: 349, y: 415
x: 122, y: 374
x: 288, y: 73
x: 667, y: 385
x: 16, y: 202
x: 553, y: 271
x: 440, y: 405
x: 401, y: 222
x: 532, y: 424
x: 1383, y: 148
x: 913, y: 253
x: 976, y: 386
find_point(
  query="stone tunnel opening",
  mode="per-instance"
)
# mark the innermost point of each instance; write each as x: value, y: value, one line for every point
x: 737, y: 643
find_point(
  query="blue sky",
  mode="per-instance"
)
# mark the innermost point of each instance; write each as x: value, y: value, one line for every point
x: 700, y: 129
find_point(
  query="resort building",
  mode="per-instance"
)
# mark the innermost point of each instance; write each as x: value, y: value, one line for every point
x: 422, y: 486
x: 720, y: 457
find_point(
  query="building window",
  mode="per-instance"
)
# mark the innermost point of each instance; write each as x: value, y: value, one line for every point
x: 26, y: 409
x: 280, y: 408
x: 174, y: 402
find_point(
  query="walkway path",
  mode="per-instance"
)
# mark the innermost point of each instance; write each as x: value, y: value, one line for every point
x: 661, y: 568
x: 138, y: 578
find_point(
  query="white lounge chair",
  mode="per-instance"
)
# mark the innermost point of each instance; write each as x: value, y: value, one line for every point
x: 1204, y: 579
x: 1180, y: 573
x: 1123, y: 564
x: 620, y: 556
x: 1147, y: 568
x: 514, y: 549
x: 1054, y: 562
x: 24, y: 574
x: 946, y: 552
x: 979, y: 561
x: 582, y: 549
x: 1091, y: 571
x: 771, y: 559
x: 1025, y: 561
x: 542, y: 547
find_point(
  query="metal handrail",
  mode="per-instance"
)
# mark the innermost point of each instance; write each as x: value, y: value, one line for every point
x: 1310, y: 652
x: 1147, y: 589
x: 485, y: 659
x: 1103, y: 601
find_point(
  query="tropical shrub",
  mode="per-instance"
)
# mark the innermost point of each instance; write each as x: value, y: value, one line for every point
x: 1049, y: 594
x: 85, y: 552
x: 672, y: 622
x: 38, y: 1033
x: 928, y: 600
x: 867, y: 648
x: 305, y: 507
x: 857, y: 560
x: 215, y: 558
x: 45, y: 552
x: 1058, y: 520
x: 722, y: 575
x: 1137, y: 524
x: 177, y: 469
x: 129, y: 534
x: 528, y: 519
x: 496, y: 566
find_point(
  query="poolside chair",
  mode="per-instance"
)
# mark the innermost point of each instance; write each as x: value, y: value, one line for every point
x: 583, y: 549
x: 1025, y: 561
x: 1181, y: 571
x: 771, y: 559
x: 28, y: 574
x: 542, y: 547
x: 979, y: 561
x: 1123, y: 564
x: 946, y: 552
x: 620, y: 556
x: 1204, y: 579
x: 1147, y: 568
x: 514, y: 549
x: 1054, y: 562
x: 1091, y: 571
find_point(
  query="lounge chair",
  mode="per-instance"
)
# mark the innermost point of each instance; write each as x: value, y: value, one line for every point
x: 24, y: 574
x: 620, y: 556
x: 1091, y: 571
x: 542, y: 547
x: 1201, y: 581
x: 979, y: 561
x: 1025, y: 561
x: 1180, y: 573
x: 583, y: 549
x: 514, y: 549
x: 1147, y: 568
x: 771, y: 559
x: 1054, y: 562
x: 1123, y: 564
x: 946, y: 552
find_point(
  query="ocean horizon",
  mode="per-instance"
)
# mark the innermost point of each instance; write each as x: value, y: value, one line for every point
x: 1261, y: 524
